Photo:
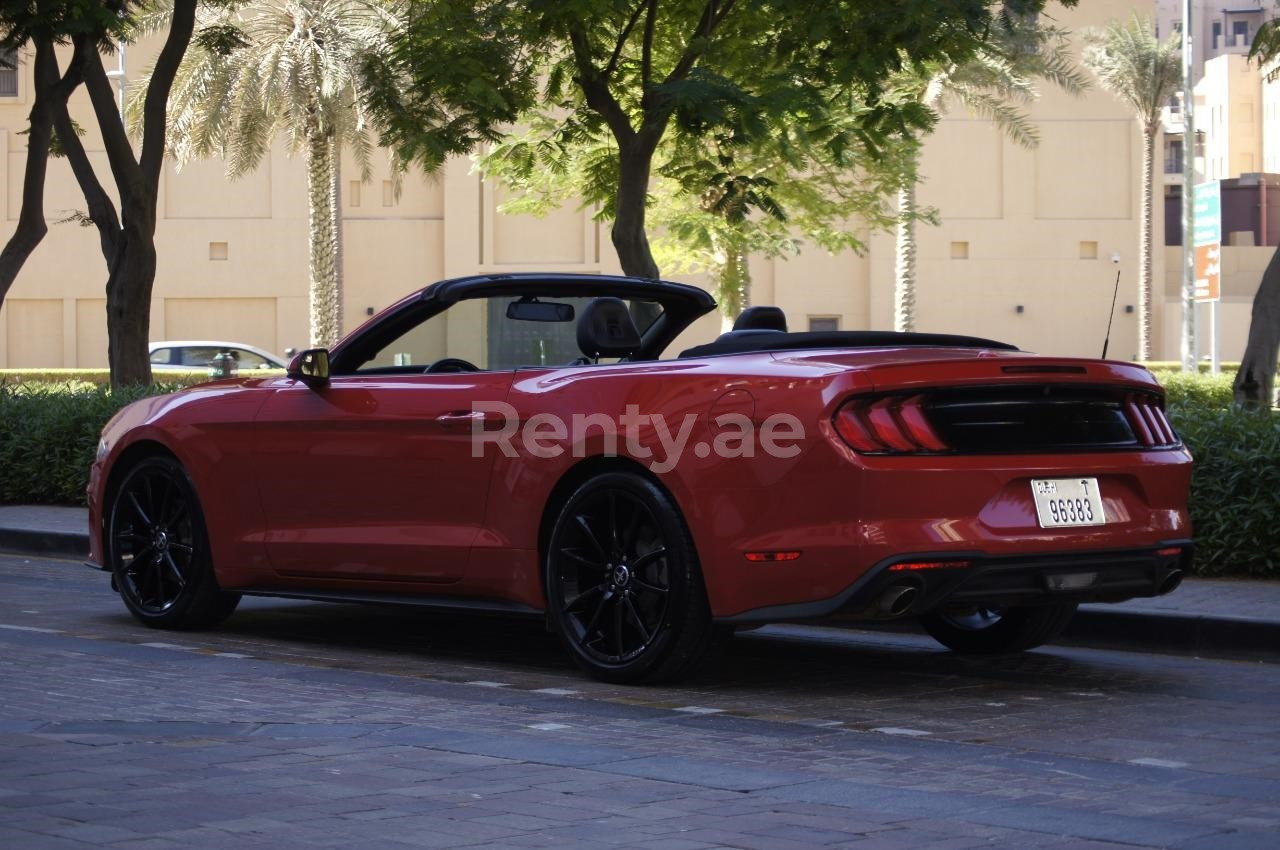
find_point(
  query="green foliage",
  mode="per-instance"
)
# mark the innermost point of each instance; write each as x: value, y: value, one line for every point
x: 96, y: 377
x: 1235, y: 488
x: 48, y: 436
x: 1197, y: 390
x: 1135, y: 66
x: 103, y: 21
x: 731, y: 103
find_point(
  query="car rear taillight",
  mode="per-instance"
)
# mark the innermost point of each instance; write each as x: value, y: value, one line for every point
x: 1146, y: 418
x: 887, y: 425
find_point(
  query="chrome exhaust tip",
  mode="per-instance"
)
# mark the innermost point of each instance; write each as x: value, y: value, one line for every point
x: 1170, y: 582
x: 897, y: 600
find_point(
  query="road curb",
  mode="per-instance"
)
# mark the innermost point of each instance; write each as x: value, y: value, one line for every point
x: 26, y: 541
x: 1119, y: 628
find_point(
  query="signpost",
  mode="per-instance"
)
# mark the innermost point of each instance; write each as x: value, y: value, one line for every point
x: 1207, y: 240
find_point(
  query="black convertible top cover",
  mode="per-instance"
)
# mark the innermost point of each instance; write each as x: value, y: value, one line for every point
x: 738, y: 342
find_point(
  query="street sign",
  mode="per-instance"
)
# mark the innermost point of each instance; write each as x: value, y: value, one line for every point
x: 1208, y: 214
x: 1207, y: 239
x: 1208, y: 272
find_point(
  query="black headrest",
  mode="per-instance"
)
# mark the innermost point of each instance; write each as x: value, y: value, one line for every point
x: 606, y: 329
x: 761, y: 318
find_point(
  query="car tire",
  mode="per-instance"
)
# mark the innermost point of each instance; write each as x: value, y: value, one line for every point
x: 157, y: 549
x: 623, y: 584
x: 993, y: 631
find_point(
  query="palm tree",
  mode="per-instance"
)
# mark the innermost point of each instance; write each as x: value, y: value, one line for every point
x: 263, y: 68
x: 996, y: 84
x: 1144, y: 72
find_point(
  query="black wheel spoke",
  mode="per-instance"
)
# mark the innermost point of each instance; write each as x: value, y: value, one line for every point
x: 177, y: 573
x: 648, y: 586
x: 613, y: 523
x: 576, y: 555
x: 628, y: 544
x: 591, y: 536
x: 648, y: 558
x: 144, y: 552
x: 142, y: 515
x: 617, y: 628
x: 576, y: 602
x: 595, y: 618
x: 639, y: 621
x: 181, y: 547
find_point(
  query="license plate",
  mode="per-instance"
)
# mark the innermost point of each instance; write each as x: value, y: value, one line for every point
x: 1065, y: 502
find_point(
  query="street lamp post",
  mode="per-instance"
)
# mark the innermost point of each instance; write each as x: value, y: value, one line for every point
x: 1188, y: 193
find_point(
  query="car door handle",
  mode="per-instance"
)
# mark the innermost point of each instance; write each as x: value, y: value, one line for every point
x: 460, y: 420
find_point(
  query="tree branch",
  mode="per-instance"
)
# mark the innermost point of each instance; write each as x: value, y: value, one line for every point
x: 622, y: 41
x: 101, y: 209
x: 155, y: 108
x: 595, y: 88
x: 712, y: 17
x: 646, y: 49
x: 124, y: 168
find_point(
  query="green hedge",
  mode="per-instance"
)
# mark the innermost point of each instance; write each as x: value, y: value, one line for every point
x: 1235, y: 488
x: 49, y: 432
x: 48, y: 437
x: 1199, y: 391
x: 97, y: 377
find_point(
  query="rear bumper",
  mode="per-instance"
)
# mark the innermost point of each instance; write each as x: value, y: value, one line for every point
x: 972, y: 578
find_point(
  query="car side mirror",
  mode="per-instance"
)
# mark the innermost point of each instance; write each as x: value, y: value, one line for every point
x: 310, y: 366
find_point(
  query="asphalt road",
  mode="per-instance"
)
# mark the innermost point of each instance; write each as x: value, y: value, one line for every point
x: 330, y: 725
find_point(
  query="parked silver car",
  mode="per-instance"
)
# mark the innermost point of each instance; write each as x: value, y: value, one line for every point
x: 193, y: 354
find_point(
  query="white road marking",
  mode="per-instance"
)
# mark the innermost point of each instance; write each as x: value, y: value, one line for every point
x: 896, y: 730
x: 557, y: 692
x: 232, y: 655
x: 997, y: 704
x: 550, y: 727
x: 31, y: 629
x: 698, y: 709
x: 830, y: 723
x: 1087, y: 694
x: 1158, y: 763
x: 161, y: 645
x: 483, y: 684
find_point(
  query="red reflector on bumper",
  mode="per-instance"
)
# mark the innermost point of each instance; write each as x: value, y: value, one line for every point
x: 926, y: 565
x: 1172, y: 550
x: 769, y: 557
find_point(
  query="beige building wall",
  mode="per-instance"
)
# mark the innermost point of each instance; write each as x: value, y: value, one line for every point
x: 1034, y: 229
x: 1229, y: 109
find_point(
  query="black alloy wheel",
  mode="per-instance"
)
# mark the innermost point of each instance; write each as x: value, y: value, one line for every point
x: 158, y: 550
x: 991, y: 630
x: 623, y: 583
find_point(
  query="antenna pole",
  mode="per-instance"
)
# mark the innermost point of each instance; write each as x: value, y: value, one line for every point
x: 1111, y: 316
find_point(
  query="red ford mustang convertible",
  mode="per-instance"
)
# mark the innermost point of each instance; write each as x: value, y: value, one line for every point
x: 523, y: 444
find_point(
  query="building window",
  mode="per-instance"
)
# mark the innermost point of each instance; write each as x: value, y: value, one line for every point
x: 8, y: 73
x: 1217, y: 33
x: 824, y: 324
x: 1239, y: 33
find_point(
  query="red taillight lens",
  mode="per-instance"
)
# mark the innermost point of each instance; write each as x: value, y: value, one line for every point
x: 1148, y: 421
x: 888, y: 425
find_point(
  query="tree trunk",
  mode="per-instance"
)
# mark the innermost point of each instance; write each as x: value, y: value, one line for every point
x: 904, y: 266
x: 31, y: 227
x: 1144, y: 253
x: 733, y: 283
x: 129, y: 286
x: 1255, y: 382
x: 325, y: 296
x: 629, y: 238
